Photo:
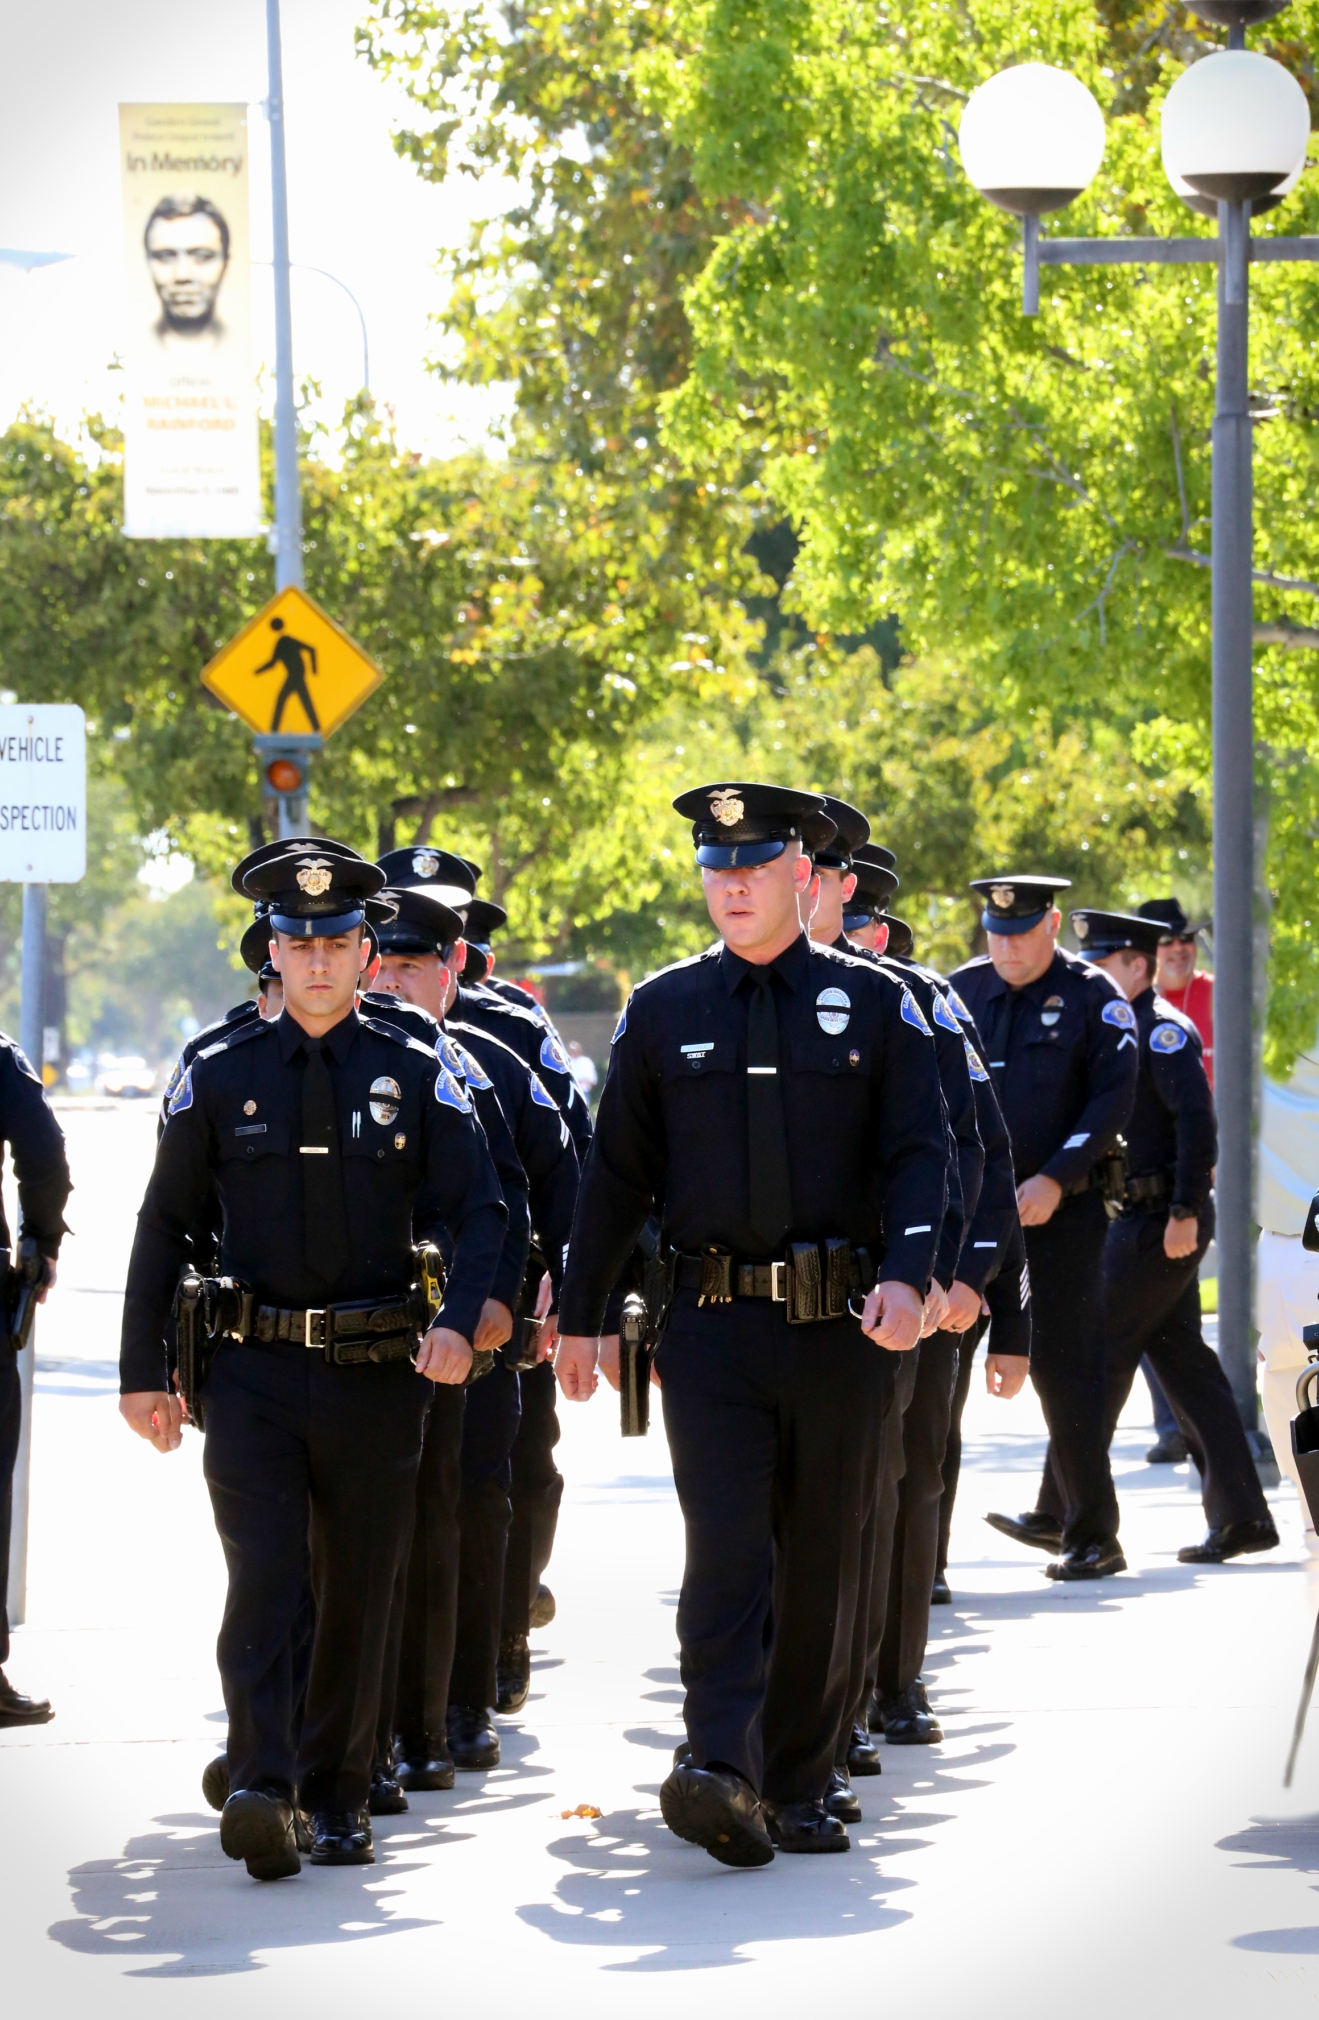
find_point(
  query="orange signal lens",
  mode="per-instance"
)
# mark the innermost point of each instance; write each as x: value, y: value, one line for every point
x: 284, y: 775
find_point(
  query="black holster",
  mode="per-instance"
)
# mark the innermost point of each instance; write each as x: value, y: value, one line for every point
x: 641, y: 1329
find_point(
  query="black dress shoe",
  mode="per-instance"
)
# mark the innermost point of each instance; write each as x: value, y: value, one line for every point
x: 215, y: 1781
x: 1041, y: 1532
x: 542, y: 1607
x: 939, y: 1592
x: 341, y: 1838
x: 1092, y: 1560
x: 1234, y: 1539
x: 682, y: 1754
x: 256, y: 1826
x: 805, y: 1827
x: 15, y: 1709
x: 512, y: 1673
x: 905, y: 1717
x: 473, y: 1741
x: 386, y: 1798
x: 862, y: 1753
x: 841, y: 1799
x: 1170, y: 1451
x: 716, y: 1809
x: 423, y: 1764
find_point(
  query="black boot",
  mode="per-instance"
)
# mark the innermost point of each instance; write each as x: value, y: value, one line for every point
x: 341, y: 1838
x: 215, y: 1781
x: 257, y: 1826
x: 473, y: 1741
x: 15, y: 1709
x: 862, y: 1753
x: 424, y: 1763
x: 542, y: 1607
x: 386, y: 1798
x: 512, y: 1673
x: 906, y: 1718
x: 1041, y: 1532
x: 1234, y: 1539
x: 805, y: 1827
x: 1091, y: 1560
x: 714, y: 1808
x: 841, y: 1800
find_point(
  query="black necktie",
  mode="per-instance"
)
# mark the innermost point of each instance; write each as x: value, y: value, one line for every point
x: 998, y: 1034
x: 325, y: 1225
x: 767, y: 1137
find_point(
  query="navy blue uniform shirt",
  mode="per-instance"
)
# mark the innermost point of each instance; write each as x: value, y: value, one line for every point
x: 867, y: 1142
x: 235, y: 1123
x: 996, y: 1213
x: 1063, y: 1055
x: 1173, y: 1130
x: 28, y: 1125
x: 534, y: 1039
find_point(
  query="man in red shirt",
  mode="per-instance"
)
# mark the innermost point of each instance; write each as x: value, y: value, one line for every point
x: 1177, y: 979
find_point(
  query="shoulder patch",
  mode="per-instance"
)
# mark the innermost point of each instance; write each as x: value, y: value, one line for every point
x: 450, y: 1092
x: 540, y: 1093
x: 552, y: 1055
x: 956, y: 1004
x: 182, y: 1096
x: 1120, y: 1014
x: 620, y: 1027
x: 1167, y: 1038
x: 943, y: 1014
x: 975, y: 1064
x: 469, y: 1067
x: 171, y: 1084
x: 913, y: 1014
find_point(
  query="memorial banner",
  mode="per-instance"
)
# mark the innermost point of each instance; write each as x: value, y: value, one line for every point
x: 190, y: 425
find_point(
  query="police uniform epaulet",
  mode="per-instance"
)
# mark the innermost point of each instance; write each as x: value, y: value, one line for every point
x: 976, y: 961
x: 1163, y: 1008
x: 676, y: 967
x: 236, y: 1034
x: 395, y: 1036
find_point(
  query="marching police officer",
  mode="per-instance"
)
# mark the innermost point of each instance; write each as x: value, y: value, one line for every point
x: 36, y: 1140
x: 1061, y: 1039
x: 332, y: 1141
x: 1154, y: 1249
x: 777, y: 1105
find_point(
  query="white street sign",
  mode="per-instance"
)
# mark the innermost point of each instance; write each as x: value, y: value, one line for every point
x: 43, y: 794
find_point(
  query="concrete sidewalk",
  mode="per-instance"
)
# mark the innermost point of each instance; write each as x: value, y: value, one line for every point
x: 1104, y: 1830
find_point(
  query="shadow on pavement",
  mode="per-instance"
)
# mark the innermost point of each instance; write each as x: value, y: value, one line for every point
x: 175, y: 1898
x: 1279, y: 1844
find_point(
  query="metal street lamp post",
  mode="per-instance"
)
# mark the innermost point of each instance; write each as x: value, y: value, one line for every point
x: 1235, y: 128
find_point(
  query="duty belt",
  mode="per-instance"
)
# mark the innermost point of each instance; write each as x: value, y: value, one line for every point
x: 1148, y: 1188
x: 370, y: 1329
x: 814, y: 1281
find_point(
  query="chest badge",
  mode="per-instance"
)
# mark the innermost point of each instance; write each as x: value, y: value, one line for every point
x: 1052, y: 1011
x: 833, y: 1011
x: 386, y: 1095
x: 249, y: 1108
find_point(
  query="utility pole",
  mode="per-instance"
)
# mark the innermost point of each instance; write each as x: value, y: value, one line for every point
x: 285, y: 760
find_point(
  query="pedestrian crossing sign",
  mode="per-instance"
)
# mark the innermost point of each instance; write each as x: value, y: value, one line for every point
x: 292, y: 671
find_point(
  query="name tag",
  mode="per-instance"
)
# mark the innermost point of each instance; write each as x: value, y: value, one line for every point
x: 251, y: 1129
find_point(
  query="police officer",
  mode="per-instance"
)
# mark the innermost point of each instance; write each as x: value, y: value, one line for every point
x: 332, y: 1141
x: 1154, y: 1249
x: 1061, y: 1039
x: 36, y: 1140
x: 777, y: 1105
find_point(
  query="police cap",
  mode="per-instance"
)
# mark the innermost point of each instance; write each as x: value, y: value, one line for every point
x: 1103, y: 933
x: 1173, y: 922
x: 422, y: 923
x: 255, y: 949
x: 315, y: 894
x: 735, y: 827
x: 876, y: 881
x: 901, y: 939
x: 851, y: 832
x: 1014, y: 904
x: 422, y: 867
x: 307, y: 845
x: 484, y: 917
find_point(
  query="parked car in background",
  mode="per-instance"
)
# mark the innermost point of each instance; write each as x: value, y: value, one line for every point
x: 128, y: 1075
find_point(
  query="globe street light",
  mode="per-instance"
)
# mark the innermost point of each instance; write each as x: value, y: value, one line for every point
x: 1235, y: 129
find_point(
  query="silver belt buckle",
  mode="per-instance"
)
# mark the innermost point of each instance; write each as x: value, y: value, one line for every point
x: 778, y: 1294
x: 309, y: 1321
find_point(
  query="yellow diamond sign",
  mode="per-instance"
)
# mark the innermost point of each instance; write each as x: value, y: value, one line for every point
x: 292, y: 670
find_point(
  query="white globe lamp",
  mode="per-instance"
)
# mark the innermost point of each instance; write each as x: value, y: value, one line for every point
x: 1235, y: 126
x: 1032, y: 138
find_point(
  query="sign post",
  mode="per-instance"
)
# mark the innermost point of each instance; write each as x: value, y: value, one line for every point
x: 43, y: 840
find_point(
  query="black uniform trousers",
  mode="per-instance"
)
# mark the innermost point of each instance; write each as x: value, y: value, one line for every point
x: 11, y: 1423
x: 1069, y: 1369
x: 311, y: 1471
x: 485, y: 1513
x: 424, y: 1614
x: 904, y: 1621
x: 775, y: 1435
x: 537, y: 1492
x: 878, y: 1526
x: 1152, y: 1306
x: 952, y: 1451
